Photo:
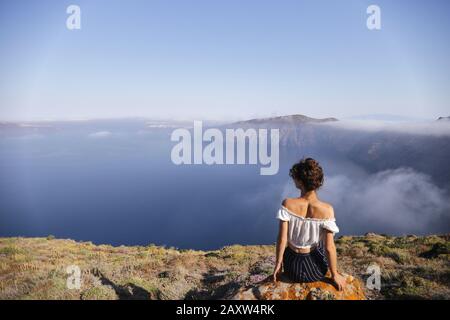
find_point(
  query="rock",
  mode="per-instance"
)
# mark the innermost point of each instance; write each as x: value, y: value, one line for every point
x: 372, y: 235
x: 287, y: 290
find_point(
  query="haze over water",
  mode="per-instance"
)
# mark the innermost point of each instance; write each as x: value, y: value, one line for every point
x: 114, y: 182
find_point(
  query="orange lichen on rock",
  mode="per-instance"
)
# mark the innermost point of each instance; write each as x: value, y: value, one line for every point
x: 286, y: 290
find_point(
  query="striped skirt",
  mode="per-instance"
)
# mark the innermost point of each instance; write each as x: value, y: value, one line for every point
x: 305, y: 267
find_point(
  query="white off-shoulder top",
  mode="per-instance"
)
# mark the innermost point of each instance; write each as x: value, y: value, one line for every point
x: 306, y: 232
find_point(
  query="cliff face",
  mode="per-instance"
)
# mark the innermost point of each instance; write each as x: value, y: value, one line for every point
x: 36, y: 268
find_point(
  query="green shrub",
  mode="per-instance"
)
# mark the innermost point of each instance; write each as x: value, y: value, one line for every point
x: 9, y: 251
x: 398, y: 255
x: 99, y: 293
x: 436, y: 250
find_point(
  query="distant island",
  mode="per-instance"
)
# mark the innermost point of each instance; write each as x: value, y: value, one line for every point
x: 286, y: 120
x: 412, y: 267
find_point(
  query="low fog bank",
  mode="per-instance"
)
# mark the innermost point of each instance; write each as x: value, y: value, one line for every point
x: 437, y: 128
x: 398, y: 201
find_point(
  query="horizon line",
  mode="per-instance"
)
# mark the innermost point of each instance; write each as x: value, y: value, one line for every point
x: 360, y: 117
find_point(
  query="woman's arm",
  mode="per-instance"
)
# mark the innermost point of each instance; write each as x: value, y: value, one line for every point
x: 332, y: 260
x: 281, y: 246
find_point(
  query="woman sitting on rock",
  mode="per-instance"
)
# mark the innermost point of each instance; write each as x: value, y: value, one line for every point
x: 305, y: 246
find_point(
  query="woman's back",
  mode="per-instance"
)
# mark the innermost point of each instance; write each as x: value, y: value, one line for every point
x: 308, y: 219
x: 309, y: 208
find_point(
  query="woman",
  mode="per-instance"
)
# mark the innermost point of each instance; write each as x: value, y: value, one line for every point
x: 305, y: 246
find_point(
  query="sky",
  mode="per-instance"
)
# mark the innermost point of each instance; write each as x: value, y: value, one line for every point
x: 223, y: 60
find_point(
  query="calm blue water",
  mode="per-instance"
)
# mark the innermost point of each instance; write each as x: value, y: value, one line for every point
x: 113, y: 182
x: 123, y: 188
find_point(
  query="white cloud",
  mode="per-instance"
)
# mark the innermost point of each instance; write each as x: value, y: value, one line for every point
x: 400, y: 201
x: 100, y: 134
x: 434, y: 128
x: 393, y: 201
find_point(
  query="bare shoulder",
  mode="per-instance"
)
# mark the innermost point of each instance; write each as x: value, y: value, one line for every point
x: 286, y: 202
x: 295, y: 205
x: 327, y: 210
x: 317, y: 209
x: 321, y: 210
x: 293, y: 202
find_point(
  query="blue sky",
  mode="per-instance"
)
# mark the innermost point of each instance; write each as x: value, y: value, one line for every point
x: 222, y: 59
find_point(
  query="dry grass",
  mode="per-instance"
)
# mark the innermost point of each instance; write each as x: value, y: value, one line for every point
x: 411, y: 267
x: 35, y: 268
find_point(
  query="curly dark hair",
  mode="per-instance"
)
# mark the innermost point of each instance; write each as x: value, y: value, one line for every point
x: 308, y: 172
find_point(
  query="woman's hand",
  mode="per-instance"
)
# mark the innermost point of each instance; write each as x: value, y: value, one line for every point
x: 276, y: 271
x: 339, y: 281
